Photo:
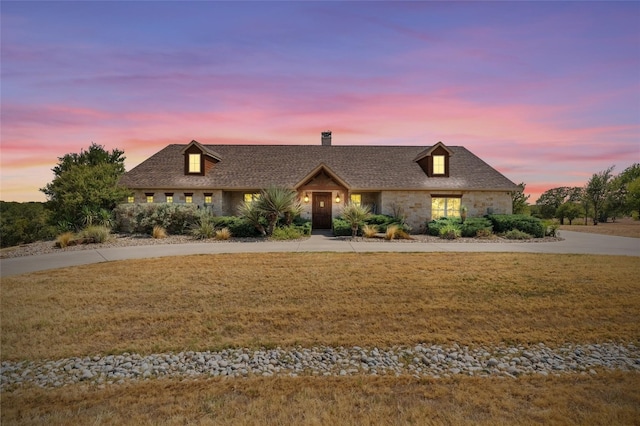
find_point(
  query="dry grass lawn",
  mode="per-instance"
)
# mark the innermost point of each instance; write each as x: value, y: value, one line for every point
x: 611, y: 398
x: 377, y: 299
x: 625, y: 227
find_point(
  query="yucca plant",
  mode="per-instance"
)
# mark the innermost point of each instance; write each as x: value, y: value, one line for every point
x: 204, y: 228
x: 251, y: 212
x: 355, y: 214
x: 275, y: 202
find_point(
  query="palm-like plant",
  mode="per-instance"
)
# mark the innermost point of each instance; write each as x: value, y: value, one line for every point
x: 355, y: 214
x: 250, y: 211
x: 275, y: 202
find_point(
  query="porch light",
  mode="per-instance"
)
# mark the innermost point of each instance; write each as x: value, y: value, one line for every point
x: 338, y: 198
x: 306, y: 197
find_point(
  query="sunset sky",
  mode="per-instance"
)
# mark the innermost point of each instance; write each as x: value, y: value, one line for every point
x: 546, y: 92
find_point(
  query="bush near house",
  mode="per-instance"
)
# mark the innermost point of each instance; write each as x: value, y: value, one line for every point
x: 503, y: 223
x: 141, y: 218
x: 380, y: 221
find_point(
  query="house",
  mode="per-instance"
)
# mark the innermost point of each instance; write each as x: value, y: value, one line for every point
x: 422, y: 183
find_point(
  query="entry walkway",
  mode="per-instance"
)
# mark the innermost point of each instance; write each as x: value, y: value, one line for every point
x: 574, y: 242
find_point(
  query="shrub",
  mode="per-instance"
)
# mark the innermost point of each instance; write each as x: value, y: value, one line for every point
x: 95, y: 234
x: 65, y: 239
x: 433, y: 227
x: 286, y: 233
x: 141, y: 218
x: 239, y: 227
x: 485, y: 234
x: 341, y: 228
x: 369, y: 231
x: 223, y: 234
x: 516, y: 234
x: 380, y: 219
x: 472, y: 226
x: 450, y: 231
x: 551, y: 228
x: 391, y: 231
x: 503, y: 223
x: 159, y: 232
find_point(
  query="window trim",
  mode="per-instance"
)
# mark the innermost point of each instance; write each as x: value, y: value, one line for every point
x: 168, y: 197
x: 188, y: 197
x: 149, y: 197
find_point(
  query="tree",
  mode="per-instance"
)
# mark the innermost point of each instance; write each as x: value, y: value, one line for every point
x: 355, y: 214
x: 84, y: 184
x: 551, y: 199
x: 633, y: 196
x: 569, y: 210
x: 519, y: 200
x: 597, y: 190
x: 22, y: 223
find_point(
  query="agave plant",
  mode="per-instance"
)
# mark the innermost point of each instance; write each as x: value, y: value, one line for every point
x: 355, y: 214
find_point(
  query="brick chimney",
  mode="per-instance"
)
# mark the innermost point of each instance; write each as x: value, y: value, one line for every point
x: 326, y: 138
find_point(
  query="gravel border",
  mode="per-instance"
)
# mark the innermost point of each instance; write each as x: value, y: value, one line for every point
x: 422, y: 360
x: 126, y: 240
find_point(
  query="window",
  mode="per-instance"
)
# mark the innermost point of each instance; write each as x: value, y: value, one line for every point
x: 149, y: 196
x: 250, y: 198
x: 438, y: 165
x: 445, y: 207
x: 169, y: 198
x: 131, y: 199
x: 208, y: 198
x: 188, y: 197
x: 194, y: 163
x: 356, y: 199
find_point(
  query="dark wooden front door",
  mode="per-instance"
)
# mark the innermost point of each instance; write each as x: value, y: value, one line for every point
x: 321, y: 212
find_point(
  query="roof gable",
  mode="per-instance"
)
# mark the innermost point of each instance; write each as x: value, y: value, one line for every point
x: 205, y: 151
x: 435, y: 148
x: 322, y: 176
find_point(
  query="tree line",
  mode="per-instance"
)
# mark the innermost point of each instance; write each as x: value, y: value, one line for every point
x: 604, y: 196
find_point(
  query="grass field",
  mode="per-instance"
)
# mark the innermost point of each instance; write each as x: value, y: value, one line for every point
x: 215, y: 301
x: 625, y: 227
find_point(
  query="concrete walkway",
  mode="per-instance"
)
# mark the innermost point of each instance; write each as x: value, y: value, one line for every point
x: 574, y: 242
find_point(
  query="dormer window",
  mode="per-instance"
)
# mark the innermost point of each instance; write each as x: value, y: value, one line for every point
x: 195, y: 163
x: 438, y: 165
x: 435, y: 160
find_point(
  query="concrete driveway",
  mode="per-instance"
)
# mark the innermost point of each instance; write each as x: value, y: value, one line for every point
x: 574, y: 242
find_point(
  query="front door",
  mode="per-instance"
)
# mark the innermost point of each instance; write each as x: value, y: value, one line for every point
x: 321, y: 212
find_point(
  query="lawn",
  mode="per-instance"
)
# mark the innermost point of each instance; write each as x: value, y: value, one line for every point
x: 625, y: 227
x: 377, y: 299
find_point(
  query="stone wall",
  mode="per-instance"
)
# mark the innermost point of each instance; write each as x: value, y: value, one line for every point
x: 416, y: 205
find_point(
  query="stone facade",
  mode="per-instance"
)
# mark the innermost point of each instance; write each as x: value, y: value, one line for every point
x: 415, y: 205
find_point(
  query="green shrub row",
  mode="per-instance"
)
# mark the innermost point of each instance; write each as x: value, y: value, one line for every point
x: 141, y: 218
x: 503, y: 223
x: 468, y: 229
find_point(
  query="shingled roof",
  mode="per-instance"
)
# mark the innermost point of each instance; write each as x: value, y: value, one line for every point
x: 361, y: 168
